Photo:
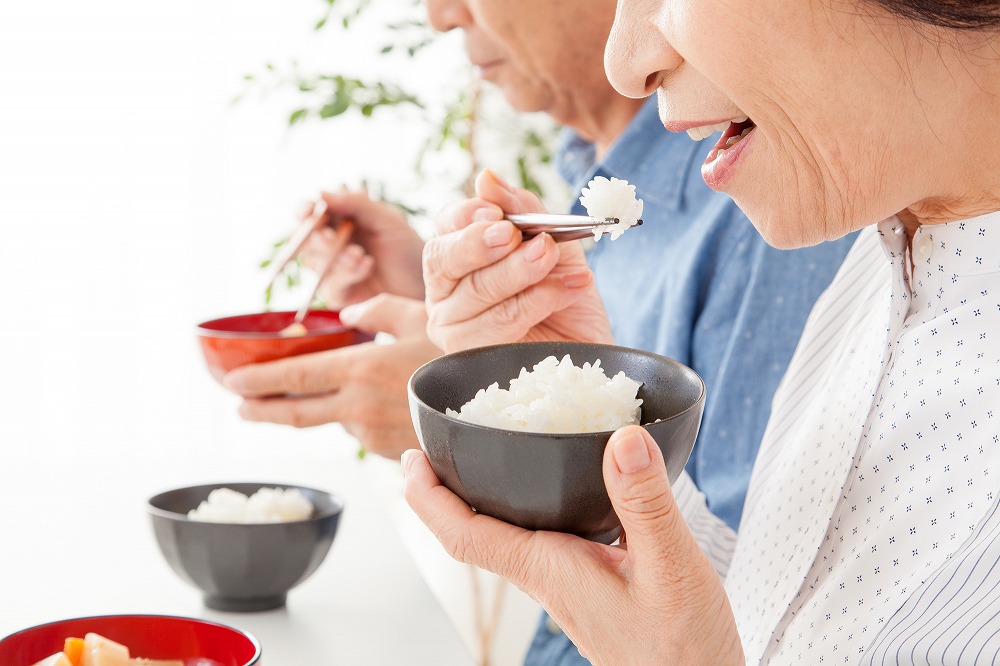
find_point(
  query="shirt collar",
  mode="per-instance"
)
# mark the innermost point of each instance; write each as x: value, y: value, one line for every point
x: 640, y: 144
x: 963, y: 247
x: 945, y: 260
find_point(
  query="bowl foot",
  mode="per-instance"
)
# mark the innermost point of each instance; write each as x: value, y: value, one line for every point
x: 244, y: 605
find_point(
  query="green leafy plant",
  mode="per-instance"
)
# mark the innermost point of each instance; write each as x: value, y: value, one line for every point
x: 457, y: 125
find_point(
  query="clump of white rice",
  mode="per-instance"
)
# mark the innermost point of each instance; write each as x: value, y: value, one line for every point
x: 613, y: 198
x: 267, y: 505
x: 557, y: 397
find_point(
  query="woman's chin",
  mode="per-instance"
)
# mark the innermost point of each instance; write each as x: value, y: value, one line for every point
x: 785, y: 230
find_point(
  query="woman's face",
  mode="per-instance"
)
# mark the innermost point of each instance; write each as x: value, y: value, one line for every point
x: 840, y: 100
x: 544, y: 55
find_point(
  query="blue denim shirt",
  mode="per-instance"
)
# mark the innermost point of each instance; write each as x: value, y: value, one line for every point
x: 696, y: 283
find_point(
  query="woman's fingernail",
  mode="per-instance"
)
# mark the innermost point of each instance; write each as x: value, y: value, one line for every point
x: 487, y: 214
x: 407, y: 461
x: 535, y: 249
x: 630, y: 452
x: 498, y: 234
x: 577, y: 279
x: 501, y: 182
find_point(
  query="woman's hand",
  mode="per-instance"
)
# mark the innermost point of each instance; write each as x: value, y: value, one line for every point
x: 484, y: 286
x: 658, y: 601
x: 361, y: 387
x: 382, y: 257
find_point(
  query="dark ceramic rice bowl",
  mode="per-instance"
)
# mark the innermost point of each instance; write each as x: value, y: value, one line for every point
x: 546, y: 481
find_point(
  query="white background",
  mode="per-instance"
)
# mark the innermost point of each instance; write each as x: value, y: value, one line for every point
x: 135, y: 201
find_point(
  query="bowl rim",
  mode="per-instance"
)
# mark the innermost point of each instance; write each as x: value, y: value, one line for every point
x: 552, y: 435
x: 182, y: 517
x: 243, y: 632
x: 202, y: 331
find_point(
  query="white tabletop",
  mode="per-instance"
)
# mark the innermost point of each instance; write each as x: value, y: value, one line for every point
x: 168, y: 196
x: 79, y: 544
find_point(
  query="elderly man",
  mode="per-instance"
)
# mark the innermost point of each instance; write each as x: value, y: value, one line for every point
x: 696, y: 282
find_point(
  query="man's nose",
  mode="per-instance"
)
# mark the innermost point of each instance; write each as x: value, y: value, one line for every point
x: 445, y: 15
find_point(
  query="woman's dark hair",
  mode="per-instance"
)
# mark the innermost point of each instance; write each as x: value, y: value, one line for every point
x: 958, y: 14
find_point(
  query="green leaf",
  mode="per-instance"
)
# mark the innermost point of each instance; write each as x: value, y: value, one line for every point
x: 297, y: 115
x: 341, y: 102
x: 387, y: 49
x: 361, y: 454
x: 265, y: 263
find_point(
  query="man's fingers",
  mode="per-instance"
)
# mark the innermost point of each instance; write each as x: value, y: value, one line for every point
x: 358, y: 205
x: 305, y: 412
x: 321, y: 372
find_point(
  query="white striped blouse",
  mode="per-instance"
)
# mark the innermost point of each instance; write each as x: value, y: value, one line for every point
x: 871, y: 531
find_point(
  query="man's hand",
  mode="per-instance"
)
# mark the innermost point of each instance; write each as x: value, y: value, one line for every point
x: 361, y: 387
x: 383, y: 255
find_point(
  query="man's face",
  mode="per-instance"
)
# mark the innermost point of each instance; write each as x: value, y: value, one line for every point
x: 544, y: 55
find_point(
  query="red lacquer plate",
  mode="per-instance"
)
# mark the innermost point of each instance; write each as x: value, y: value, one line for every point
x: 150, y: 636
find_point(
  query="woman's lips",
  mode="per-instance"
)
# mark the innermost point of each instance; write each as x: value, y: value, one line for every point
x: 722, y: 162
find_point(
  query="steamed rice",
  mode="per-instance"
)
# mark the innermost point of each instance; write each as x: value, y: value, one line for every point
x: 557, y: 397
x: 267, y: 505
x: 613, y: 198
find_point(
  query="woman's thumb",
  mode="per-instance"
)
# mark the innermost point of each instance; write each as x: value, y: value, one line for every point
x: 637, y: 483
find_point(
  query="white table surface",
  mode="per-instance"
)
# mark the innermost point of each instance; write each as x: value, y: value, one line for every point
x: 79, y: 543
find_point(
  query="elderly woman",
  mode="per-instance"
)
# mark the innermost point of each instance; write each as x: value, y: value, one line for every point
x: 871, y: 531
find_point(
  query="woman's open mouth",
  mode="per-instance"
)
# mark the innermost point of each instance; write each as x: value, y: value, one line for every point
x: 736, y: 131
x: 721, y: 161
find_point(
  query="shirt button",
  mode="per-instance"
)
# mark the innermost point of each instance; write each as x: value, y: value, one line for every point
x: 552, y: 627
x: 924, y: 248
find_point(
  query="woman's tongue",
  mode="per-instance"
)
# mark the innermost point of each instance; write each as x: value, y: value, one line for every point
x: 732, y: 135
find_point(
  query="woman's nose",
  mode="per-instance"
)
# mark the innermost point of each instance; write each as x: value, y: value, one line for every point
x: 638, y: 56
x: 445, y: 15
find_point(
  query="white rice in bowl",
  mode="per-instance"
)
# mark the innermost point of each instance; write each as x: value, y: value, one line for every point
x: 613, y: 198
x: 267, y: 505
x: 557, y: 397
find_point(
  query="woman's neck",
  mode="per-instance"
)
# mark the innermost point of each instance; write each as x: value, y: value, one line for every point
x: 965, y: 181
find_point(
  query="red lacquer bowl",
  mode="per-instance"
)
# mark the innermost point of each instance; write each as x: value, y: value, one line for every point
x: 230, y: 342
x: 149, y: 636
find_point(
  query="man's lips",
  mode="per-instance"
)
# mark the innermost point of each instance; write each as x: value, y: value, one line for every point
x: 486, y: 64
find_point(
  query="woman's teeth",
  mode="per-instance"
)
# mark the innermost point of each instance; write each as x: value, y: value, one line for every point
x: 699, y: 133
x: 733, y: 140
